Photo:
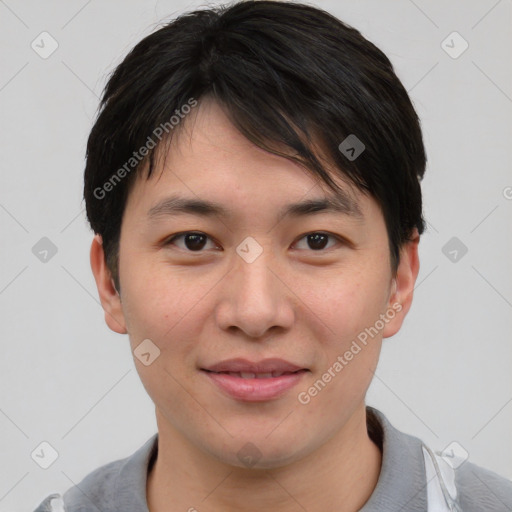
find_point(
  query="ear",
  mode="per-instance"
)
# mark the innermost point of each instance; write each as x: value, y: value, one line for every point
x: 109, y: 297
x: 400, y: 299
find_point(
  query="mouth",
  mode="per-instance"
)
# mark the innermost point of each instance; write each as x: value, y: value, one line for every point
x: 254, y: 387
x: 251, y: 375
x: 266, y: 368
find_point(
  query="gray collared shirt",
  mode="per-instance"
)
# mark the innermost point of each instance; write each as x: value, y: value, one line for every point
x: 120, y: 486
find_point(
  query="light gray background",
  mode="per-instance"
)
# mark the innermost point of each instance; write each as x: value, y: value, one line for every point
x: 66, y: 379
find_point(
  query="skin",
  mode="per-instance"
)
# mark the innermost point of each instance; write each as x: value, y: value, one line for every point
x: 294, y: 302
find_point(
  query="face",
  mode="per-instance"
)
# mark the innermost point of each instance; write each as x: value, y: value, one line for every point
x: 255, y: 283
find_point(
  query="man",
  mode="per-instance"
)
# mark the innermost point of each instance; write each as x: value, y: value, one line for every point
x: 253, y: 182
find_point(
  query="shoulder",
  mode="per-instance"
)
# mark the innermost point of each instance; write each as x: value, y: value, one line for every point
x: 118, y: 485
x: 96, y: 489
x: 409, y: 474
x: 481, y: 489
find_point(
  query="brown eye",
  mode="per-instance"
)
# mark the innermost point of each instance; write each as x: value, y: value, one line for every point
x: 317, y: 241
x: 193, y: 242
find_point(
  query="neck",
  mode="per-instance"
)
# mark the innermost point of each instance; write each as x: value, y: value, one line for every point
x: 339, y: 475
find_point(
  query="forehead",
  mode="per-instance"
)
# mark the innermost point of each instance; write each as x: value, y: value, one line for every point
x: 210, y: 169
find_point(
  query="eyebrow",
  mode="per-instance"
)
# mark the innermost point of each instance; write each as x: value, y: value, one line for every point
x: 176, y: 205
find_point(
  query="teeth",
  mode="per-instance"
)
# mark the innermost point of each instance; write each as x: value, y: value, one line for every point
x: 249, y: 375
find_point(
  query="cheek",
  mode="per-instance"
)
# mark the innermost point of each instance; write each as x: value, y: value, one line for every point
x: 148, y: 309
x: 348, y: 351
x: 166, y: 310
x: 351, y: 307
x: 349, y: 303
x: 151, y: 298
x: 165, y: 306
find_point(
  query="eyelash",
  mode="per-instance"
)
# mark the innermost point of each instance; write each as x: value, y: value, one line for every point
x: 169, y: 241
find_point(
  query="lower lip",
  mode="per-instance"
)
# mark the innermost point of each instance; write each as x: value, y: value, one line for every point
x: 255, y: 390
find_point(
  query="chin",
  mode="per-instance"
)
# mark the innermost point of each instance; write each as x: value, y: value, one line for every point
x: 260, y: 453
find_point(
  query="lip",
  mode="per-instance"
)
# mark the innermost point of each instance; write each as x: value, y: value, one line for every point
x: 255, y: 389
x: 264, y: 366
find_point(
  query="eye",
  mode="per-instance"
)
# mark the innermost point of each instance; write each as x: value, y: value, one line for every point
x: 194, y: 241
x: 318, y: 240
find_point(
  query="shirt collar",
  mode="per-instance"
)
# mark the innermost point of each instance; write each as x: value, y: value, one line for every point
x: 130, y: 486
x: 401, y: 485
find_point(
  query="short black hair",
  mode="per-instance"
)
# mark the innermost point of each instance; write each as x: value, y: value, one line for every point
x: 287, y: 74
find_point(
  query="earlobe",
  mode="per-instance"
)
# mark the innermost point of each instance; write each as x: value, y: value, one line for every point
x: 109, y: 297
x: 400, y: 299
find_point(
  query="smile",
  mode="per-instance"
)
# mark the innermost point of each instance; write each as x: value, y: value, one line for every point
x: 254, y: 387
x: 249, y: 375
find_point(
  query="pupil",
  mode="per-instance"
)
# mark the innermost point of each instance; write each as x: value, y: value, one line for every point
x: 317, y: 240
x: 193, y: 242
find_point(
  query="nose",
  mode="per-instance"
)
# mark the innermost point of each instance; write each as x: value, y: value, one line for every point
x: 255, y: 297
